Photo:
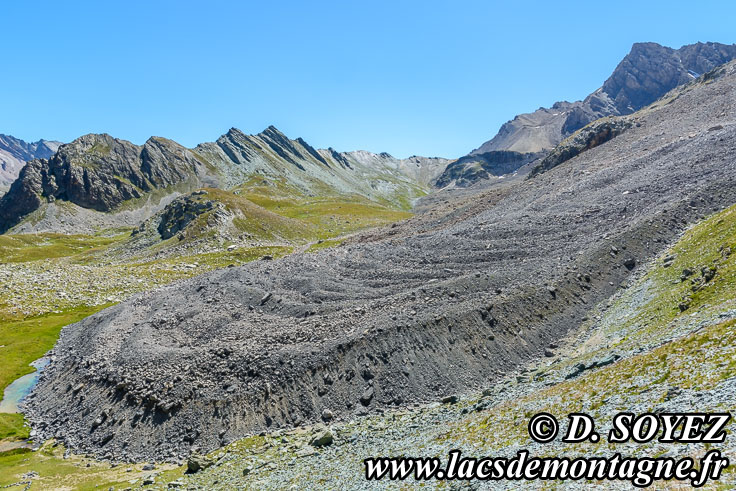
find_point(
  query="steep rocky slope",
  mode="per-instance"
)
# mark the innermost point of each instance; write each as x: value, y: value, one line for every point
x: 14, y: 153
x: 647, y: 73
x: 450, y: 300
x: 637, y: 352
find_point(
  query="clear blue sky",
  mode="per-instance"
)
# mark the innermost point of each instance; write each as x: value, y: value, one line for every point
x: 427, y: 78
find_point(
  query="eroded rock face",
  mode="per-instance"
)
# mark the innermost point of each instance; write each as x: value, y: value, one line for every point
x: 650, y: 70
x: 439, y: 304
x: 589, y: 137
x: 98, y: 172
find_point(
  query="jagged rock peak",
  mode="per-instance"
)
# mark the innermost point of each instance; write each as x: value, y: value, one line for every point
x: 272, y: 132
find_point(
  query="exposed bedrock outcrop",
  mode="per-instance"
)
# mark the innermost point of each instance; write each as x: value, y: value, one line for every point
x: 470, y: 169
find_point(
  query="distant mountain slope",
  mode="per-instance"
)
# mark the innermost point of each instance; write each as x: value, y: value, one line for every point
x: 98, y: 181
x: 647, y: 73
x: 14, y: 153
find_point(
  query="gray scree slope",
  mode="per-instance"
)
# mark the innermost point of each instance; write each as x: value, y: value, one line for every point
x: 441, y: 303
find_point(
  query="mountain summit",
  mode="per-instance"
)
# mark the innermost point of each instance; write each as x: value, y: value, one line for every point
x: 644, y: 75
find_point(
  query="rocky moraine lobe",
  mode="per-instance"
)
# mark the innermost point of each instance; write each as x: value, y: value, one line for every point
x: 99, y: 172
x: 447, y: 301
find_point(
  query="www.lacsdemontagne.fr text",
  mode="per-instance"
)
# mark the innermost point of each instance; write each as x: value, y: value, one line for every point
x: 641, y: 472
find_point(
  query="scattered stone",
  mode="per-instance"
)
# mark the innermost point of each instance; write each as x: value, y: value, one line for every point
x: 306, y: 452
x: 322, y: 438
x: 708, y: 272
x: 196, y: 463
x: 367, y: 396
x: 327, y: 415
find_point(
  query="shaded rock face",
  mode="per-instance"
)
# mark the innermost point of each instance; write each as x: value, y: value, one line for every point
x: 472, y: 168
x: 441, y: 303
x: 14, y: 153
x: 98, y: 172
x: 647, y: 73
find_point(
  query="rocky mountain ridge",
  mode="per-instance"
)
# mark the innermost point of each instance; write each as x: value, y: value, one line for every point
x: 99, y: 181
x: 100, y: 173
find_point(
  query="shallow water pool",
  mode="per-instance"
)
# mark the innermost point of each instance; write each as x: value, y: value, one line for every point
x: 16, y: 391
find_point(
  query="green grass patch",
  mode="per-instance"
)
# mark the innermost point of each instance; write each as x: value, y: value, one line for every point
x: 271, y: 211
x: 331, y: 216
x: 324, y: 244
x: 74, y: 472
x: 18, y: 248
x: 29, y: 339
x: 704, y: 245
x: 12, y: 427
